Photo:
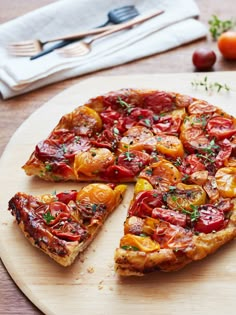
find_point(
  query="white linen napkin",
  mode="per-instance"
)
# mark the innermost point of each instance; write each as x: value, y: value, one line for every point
x: 18, y: 75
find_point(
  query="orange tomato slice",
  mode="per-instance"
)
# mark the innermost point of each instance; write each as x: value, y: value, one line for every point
x: 92, y: 162
x: 169, y: 145
x: 226, y: 181
x: 139, y: 243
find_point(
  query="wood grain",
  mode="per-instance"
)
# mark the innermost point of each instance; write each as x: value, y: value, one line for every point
x: 16, y: 110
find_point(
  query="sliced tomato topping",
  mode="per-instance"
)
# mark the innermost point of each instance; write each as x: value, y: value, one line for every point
x: 134, y: 160
x: 201, y: 107
x: 221, y: 127
x: 171, y: 216
x: 116, y: 173
x: 159, y: 102
x: 191, y: 164
x: 168, y: 124
x: 224, y: 153
x: 67, y: 196
x: 210, y: 219
x: 145, y: 202
x: 107, y: 139
x: 69, y: 231
x: 172, y: 236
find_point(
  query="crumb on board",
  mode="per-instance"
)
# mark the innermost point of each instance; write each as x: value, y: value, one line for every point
x: 90, y: 269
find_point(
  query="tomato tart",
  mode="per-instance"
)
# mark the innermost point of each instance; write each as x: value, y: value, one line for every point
x: 63, y: 224
x: 180, y: 152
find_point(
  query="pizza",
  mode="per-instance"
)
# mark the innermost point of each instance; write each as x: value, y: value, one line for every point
x: 63, y: 224
x: 179, y: 151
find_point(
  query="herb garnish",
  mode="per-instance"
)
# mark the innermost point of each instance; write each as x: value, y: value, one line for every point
x: 130, y: 247
x: 218, y: 26
x: 125, y: 105
x: 210, y: 86
x: 194, y: 215
x: 48, y: 217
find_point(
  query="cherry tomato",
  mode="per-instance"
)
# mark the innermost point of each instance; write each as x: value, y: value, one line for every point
x: 67, y: 196
x: 140, y: 243
x: 221, y: 127
x: 159, y: 102
x: 210, y: 219
x: 226, y: 181
x: 227, y: 44
x: 53, y: 212
x: 161, y: 175
x: 133, y: 160
x: 117, y: 173
x: 224, y: 153
x: 194, y: 139
x: 83, y: 121
x: 171, y: 216
x: 168, y: 124
x: 201, y: 107
x: 191, y: 164
x: 172, y: 236
x: 144, y: 203
x: 69, y: 231
x: 107, y: 139
x: 204, y: 58
x: 92, y: 162
x: 169, y: 145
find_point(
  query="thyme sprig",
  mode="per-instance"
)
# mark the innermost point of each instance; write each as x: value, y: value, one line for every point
x: 210, y: 86
x: 218, y: 26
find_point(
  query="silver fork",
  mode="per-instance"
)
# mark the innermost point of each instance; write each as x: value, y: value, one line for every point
x: 34, y: 47
x: 82, y: 48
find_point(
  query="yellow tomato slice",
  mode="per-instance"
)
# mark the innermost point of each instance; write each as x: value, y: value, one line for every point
x: 92, y: 162
x: 169, y: 145
x: 186, y: 196
x: 97, y: 194
x: 226, y: 181
x: 141, y: 185
x: 139, y: 243
x: 83, y: 120
x: 162, y: 174
x: 135, y: 135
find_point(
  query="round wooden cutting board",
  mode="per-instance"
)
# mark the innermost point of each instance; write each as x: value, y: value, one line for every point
x: 90, y: 286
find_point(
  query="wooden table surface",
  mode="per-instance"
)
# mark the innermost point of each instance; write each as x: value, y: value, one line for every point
x: 14, y: 111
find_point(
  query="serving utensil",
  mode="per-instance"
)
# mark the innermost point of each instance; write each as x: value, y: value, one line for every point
x: 83, y: 47
x: 34, y: 47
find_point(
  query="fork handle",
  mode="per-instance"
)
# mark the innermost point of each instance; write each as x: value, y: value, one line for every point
x: 127, y: 25
x: 81, y: 34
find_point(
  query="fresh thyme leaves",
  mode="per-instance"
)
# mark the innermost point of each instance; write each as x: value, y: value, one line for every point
x: 125, y: 105
x: 218, y: 26
x: 48, y: 217
x: 130, y: 247
x: 129, y: 156
x: 194, y: 214
x: 212, y: 145
x: 210, y: 86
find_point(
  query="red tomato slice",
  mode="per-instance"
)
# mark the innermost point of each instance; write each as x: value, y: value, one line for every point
x: 201, y: 107
x: 117, y: 173
x: 210, y: 219
x: 145, y: 202
x: 171, y: 216
x: 108, y: 117
x: 167, y: 124
x: 107, y: 139
x: 191, y: 164
x: 67, y: 196
x: 159, y: 102
x: 133, y: 160
x: 224, y: 153
x: 194, y: 139
x: 221, y: 127
x: 69, y: 231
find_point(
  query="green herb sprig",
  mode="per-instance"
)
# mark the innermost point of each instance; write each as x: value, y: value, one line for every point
x: 218, y: 26
x: 210, y: 86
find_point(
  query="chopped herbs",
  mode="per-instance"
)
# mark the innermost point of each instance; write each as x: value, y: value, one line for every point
x: 194, y: 215
x: 48, y: 167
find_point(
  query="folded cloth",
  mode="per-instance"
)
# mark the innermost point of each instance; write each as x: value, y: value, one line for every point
x: 177, y: 26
